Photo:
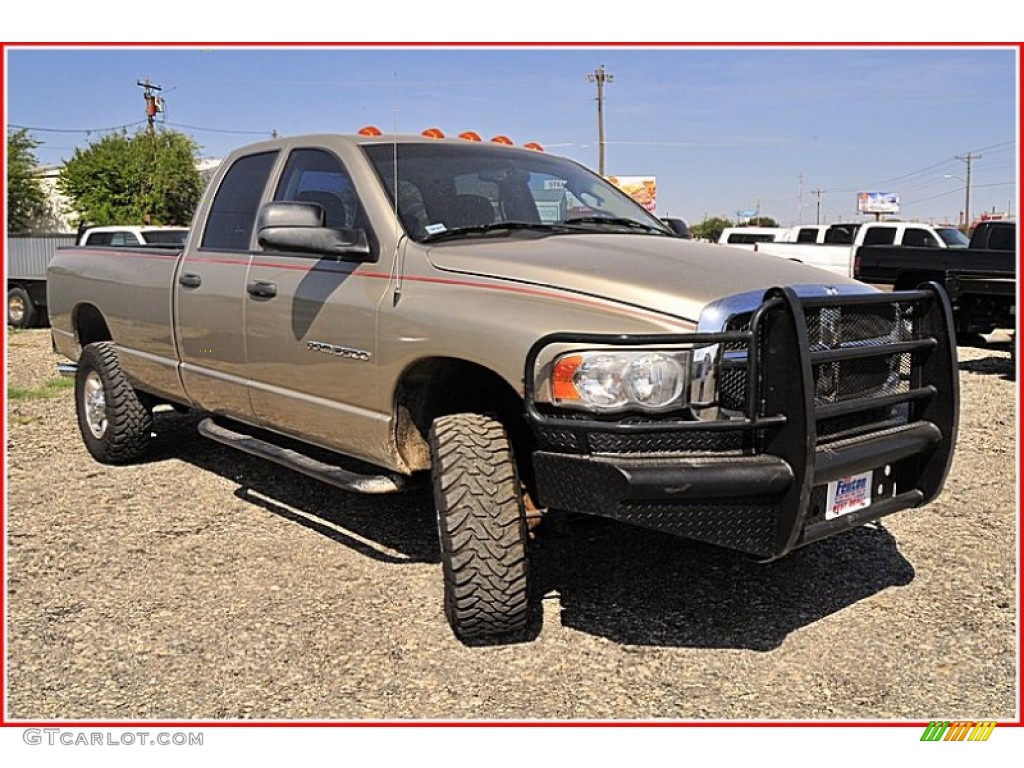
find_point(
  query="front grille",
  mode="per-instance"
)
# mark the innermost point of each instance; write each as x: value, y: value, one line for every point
x: 847, y: 327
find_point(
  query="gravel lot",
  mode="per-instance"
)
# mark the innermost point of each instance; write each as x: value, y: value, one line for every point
x: 205, y: 584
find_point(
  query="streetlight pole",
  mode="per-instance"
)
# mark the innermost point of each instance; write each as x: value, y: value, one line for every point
x: 600, y: 77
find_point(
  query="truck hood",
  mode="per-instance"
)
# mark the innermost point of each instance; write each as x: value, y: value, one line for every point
x: 670, y: 275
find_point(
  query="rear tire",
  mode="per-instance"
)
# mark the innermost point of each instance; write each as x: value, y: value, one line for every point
x: 21, y: 310
x: 116, y: 425
x: 482, y: 525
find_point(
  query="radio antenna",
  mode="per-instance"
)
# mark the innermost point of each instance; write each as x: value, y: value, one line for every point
x: 399, y: 259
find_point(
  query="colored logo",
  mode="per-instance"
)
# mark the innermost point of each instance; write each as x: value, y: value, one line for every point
x: 943, y: 730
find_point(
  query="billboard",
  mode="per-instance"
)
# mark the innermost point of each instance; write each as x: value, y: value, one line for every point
x: 878, y: 202
x: 640, y: 188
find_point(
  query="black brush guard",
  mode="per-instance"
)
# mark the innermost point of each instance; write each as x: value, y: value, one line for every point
x: 832, y: 387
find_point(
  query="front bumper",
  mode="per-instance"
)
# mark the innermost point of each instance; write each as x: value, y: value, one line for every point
x: 760, y: 483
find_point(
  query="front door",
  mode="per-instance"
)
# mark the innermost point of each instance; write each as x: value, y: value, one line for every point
x: 310, y: 323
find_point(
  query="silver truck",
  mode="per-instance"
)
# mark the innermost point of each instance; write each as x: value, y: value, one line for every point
x: 407, y: 302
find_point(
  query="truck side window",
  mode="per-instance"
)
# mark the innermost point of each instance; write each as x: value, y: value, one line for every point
x: 233, y: 213
x: 880, y: 236
x: 841, y: 234
x: 316, y: 176
x: 100, y: 238
x: 919, y: 238
x: 122, y: 240
x: 1002, y: 238
x: 807, y: 236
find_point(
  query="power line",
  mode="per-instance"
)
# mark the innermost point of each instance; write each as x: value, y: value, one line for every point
x: 74, y: 130
x: 218, y: 130
x: 132, y: 125
x: 957, y: 189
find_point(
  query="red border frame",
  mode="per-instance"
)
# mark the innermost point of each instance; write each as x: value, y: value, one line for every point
x: 5, y: 723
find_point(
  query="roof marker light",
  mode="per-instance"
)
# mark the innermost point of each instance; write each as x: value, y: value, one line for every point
x: 433, y: 133
x: 502, y: 140
x: 369, y: 130
x: 470, y: 136
x: 534, y: 146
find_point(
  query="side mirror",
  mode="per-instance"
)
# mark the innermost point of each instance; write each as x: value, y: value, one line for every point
x: 678, y: 227
x: 299, y: 228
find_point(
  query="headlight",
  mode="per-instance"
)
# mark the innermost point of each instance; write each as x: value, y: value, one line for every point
x: 620, y: 380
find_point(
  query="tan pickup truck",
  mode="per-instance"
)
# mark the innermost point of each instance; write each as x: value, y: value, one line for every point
x: 516, y: 327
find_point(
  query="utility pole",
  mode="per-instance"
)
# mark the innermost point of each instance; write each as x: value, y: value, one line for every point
x: 968, y: 158
x: 154, y: 103
x: 800, y: 198
x: 817, y: 212
x: 600, y: 77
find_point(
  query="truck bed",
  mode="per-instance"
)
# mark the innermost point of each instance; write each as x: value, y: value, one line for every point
x: 981, y: 283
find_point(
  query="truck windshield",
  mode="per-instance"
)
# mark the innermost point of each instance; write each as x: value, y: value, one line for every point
x: 952, y: 237
x: 449, y: 189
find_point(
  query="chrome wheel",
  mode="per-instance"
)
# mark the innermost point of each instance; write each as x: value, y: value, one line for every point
x: 16, y: 310
x: 94, y: 404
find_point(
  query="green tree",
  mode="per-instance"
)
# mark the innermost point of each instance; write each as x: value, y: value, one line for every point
x: 763, y: 221
x: 138, y: 179
x: 710, y: 229
x: 27, y: 206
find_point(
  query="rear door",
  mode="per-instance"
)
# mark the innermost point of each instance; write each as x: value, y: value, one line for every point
x: 210, y: 291
x: 311, y: 321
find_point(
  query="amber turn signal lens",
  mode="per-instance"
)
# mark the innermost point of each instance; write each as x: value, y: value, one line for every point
x: 562, y: 388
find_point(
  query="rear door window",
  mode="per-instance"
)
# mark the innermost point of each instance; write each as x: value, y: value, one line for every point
x: 880, y: 236
x: 99, y: 238
x: 919, y: 238
x: 233, y: 213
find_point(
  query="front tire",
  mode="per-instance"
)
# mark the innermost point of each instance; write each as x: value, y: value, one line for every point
x: 482, y: 525
x: 21, y: 310
x: 116, y: 426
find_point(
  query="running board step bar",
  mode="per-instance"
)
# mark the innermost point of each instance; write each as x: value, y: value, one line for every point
x: 326, y: 473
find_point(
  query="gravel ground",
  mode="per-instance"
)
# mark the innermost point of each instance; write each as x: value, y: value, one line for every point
x: 205, y: 584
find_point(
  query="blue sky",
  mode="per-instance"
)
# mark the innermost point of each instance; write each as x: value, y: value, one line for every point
x: 722, y: 129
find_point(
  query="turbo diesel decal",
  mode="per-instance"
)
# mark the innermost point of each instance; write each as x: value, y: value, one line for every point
x: 333, y: 349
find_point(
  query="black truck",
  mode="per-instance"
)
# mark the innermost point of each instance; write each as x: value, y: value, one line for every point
x: 981, y: 280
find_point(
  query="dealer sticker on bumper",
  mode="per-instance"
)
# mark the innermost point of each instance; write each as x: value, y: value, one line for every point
x: 848, y: 495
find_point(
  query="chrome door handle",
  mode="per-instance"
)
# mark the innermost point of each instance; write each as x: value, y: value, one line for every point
x: 261, y: 289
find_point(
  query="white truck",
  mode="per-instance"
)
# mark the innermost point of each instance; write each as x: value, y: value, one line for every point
x: 130, y: 236
x: 748, y: 237
x: 834, y: 247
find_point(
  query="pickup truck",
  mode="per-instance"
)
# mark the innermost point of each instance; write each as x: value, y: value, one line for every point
x: 748, y: 237
x: 981, y: 280
x: 399, y: 300
x: 834, y: 250
x: 128, y: 236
